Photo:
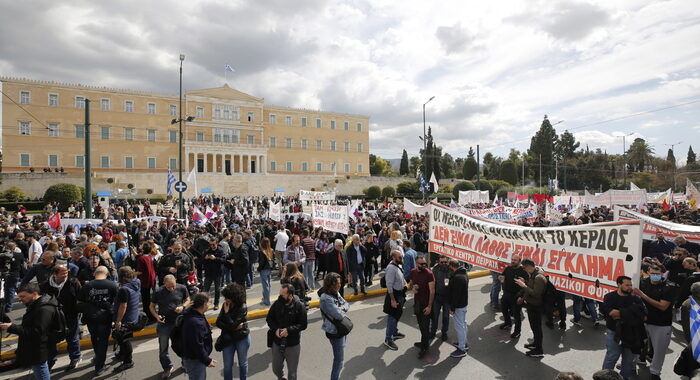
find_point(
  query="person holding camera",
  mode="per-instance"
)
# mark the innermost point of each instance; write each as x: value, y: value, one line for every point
x: 172, y: 299
x: 95, y: 302
x: 126, y: 310
x: 235, y: 335
x: 286, y: 320
x: 333, y: 309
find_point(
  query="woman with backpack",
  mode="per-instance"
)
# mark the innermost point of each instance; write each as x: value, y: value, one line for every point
x: 235, y: 335
x: 333, y: 309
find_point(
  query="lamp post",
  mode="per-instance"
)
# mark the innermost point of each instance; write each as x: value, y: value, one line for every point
x: 425, y: 153
x: 624, y: 160
x: 179, y: 120
x: 674, y: 163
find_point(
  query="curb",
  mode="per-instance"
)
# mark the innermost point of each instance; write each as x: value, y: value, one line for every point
x: 150, y: 332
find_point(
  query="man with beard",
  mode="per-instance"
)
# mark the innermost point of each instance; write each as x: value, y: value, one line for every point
x: 442, y: 273
x: 660, y: 248
x: 422, y: 281
x: 238, y: 260
x: 395, y: 298
x: 509, y: 304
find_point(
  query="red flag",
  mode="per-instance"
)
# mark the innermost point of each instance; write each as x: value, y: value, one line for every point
x: 54, y: 221
x: 665, y: 205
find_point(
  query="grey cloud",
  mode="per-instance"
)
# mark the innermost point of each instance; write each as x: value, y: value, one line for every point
x: 454, y: 39
x: 568, y: 21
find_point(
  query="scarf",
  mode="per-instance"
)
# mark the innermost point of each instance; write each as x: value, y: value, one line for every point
x: 55, y: 285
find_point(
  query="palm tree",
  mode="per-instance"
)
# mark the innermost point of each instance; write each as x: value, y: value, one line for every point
x: 639, y: 154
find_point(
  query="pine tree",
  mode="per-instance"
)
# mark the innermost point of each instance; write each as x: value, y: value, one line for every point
x: 403, y: 168
x: 691, y: 156
x: 543, y: 145
x: 470, y: 165
x: 670, y: 157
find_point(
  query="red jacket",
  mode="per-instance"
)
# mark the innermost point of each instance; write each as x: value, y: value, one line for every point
x: 144, y: 265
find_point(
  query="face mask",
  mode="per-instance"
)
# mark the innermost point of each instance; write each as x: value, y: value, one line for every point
x: 655, y: 277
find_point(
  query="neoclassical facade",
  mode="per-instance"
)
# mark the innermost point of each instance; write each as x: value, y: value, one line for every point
x: 232, y: 133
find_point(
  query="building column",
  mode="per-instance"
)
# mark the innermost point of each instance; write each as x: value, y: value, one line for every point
x: 250, y: 164
x: 206, y: 162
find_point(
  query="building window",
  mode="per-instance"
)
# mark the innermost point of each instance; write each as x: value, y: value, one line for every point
x: 53, y: 100
x: 24, y: 159
x: 217, y: 112
x: 347, y: 168
x: 217, y: 135
x: 53, y: 160
x: 151, y: 135
x: 230, y: 112
x: 288, y: 121
x: 346, y: 125
x: 319, y: 167
x: 319, y: 145
x: 128, y: 106
x: 251, y: 139
x: 128, y: 162
x: 318, y: 123
x: 200, y: 136
x: 359, y: 127
x: 289, y: 143
x: 332, y: 145
x: 79, y: 131
x: 79, y: 161
x: 24, y: 97
x: 273, y: 142
x: 25, y: 128
x: 129, y: 134
x: 273, y: 166
x: 172, y: 136
x: 104, y: 133
x: 151, y: 108
x: 53, y: 129
x: 151, y: 162
x: 273, y: 119
x: 359, y: 168
x: 104, y: 104
x: 332, y: 124
x: 305, y: 166
x: 173, y: 163
x: 251, y: 116
x: 173, y: 110
x: 200, y: 112
x: 359, y: 147
x: 346, y: 146
x: 104, y: 162
x: 303, y: 122
x: 80, y: 102
x: 303, y: 144
x: 289, y: 166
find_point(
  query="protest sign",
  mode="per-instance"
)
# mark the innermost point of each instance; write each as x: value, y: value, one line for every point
x: 473, y: 196
x: 79, y: 223
x: 276, y: 211
x: 503, y: 214
x: 331, y: 218
x: 584, y: 259
x: 305, y: 195
x: 652, y: 225
x: 412, y: 208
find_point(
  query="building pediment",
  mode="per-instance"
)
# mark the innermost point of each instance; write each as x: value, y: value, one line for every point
x: 224, y: 92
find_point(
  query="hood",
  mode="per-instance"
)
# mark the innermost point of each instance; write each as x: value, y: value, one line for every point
x: 461, y: 270
x: 46, y: 299
x: 134, y: 285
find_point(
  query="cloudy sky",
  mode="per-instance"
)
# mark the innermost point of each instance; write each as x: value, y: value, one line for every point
x: 494, y: 67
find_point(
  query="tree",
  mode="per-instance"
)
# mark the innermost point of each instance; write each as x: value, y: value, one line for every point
x: 407, y: 188
x: 639, y: 155
x: 403, y: 168
x: 566, y: 146
x: 462, y: 186
x: 459, y: 165
x: 509, y: 172
x: 378, y: 166
x: 414, y: 165
x: 542, y: 148
x: 63, y: 193
x: 470, y: 165
x: 447, y: 166
x: 373, y: 192
x: 437, y: 157
x: 690, y: 161
x: 645, y: 180
x: 388, y: 192
x: 13, y: 194
x: 671, y: 158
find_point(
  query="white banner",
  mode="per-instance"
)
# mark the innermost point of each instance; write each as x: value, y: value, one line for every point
x: 616, y: 197
x: 412, y: 208
x: 276, y: 211
x: 584, y: 259
x: 473, y: 196
x: 660, y: 196
x: 503, y: 213
x: 652, y: 226
x: 305, y: 195
x: 79, y: 223
x: 331, y: 217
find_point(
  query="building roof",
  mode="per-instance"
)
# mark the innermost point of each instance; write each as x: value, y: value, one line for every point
x: 224, y: 92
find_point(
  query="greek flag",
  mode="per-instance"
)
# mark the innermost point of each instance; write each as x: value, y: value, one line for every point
x: 171, y: 180
x: 695, y: 328
x: 229, y: 68
x: 423, y: 184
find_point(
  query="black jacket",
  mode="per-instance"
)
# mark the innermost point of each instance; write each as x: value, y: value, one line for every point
x: 351, y: 254
x: 630, y: 327
x: 684, y: 291
x: 458, y: 289
x: 67, y: 298
x: 212, y: 268
x: 239, y: 268
x: 169, y: 261
x: 291, y: 316
x: 196, y: 337
x: 33, y: 343
x: 228, y: 322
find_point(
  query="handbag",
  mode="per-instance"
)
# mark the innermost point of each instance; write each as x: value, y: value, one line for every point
x: 343, y: 326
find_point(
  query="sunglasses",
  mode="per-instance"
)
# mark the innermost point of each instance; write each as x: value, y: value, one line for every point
x: 443, y: 262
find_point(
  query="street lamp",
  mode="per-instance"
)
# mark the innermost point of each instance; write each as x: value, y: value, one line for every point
x: 180, y: 120
x: 674, y: 163
x: 624, y: 160
x: 425, y: 153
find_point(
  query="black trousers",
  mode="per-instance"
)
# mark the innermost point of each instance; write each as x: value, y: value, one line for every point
x: 423, y: 323
x: 146, y: 301
x: 558, y: 302
x: 511, y: 309
x: 534, y: 316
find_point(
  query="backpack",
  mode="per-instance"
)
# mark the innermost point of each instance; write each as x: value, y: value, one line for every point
x: 176, y: 341
x: 59, y: 327
x: 382, y: 280
x: 549, y: 291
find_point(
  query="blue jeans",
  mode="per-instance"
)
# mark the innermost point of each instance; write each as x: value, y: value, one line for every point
x: 163, y: 330
x: 392, y: 328
x: 461, y: 327
x: 338, y: 345
x: 249, y: 277
x: 41, y: 371
x: 196, y: 370
x: 72, y: 340
x: 495, y: 289
x: 614, y: 350
x: 589, y: 304
x: 99, y: 336
x: 309, y: 267
x: 440, y: 304
x: 10, y: 291
x: 240, y: 347
x: 225, y: 277
x: 265, y: 281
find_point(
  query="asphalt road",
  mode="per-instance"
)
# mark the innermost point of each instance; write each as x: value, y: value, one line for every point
x: 492, y: 355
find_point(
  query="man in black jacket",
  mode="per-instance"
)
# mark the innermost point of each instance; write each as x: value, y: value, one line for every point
x: 174, y: 262
x: 96, y: 299
x: 238, y: 260
x: 458, y: 298
x: 35, y: 331
x: 213, y: 259
x: 357, y: 259
x: 12, y: 274
x: 441, y: 303
x: 509, y: 304
x: 66, y: 290
x: 286, y: 319
x: 196, y: 338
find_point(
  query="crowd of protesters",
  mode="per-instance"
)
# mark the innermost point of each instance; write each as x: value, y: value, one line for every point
x: 143, y: 265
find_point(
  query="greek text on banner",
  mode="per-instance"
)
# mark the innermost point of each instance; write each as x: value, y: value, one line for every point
x: 331, y: 217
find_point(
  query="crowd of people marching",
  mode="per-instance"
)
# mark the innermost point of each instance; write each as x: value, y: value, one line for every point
x: 143, y: 266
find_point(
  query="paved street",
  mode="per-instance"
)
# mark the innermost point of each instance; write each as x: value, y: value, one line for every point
x: 493, y: 355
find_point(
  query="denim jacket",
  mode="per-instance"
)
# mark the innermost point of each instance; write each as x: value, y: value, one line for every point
x: 332, y: 306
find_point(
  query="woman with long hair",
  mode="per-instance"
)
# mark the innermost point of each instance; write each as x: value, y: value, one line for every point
x: 322, y: 247
x: 333, y: 307
x: 235, y: 335
x: 265, y: 268
x: 292, y: 276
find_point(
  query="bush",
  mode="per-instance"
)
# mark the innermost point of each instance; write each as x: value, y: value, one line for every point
x: 13, y: 194
x: 373, y: 192
x: 446, y: 188
x: 485, y: 185
x: 498, y: 184
x: 462, y: 186
x: 388, y: 192
x: 441, y: 197
x: 63, y: 193
x: 407, y: 188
